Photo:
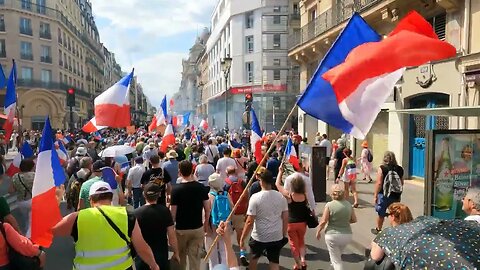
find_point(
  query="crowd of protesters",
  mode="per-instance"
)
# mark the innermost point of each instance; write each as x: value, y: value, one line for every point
x: 178, y: 200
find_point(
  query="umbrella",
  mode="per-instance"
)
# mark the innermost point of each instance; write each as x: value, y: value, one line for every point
x: 117, y: 150
x: 431, y: 243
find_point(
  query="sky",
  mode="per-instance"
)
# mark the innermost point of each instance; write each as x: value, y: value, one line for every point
x: 153, y: 36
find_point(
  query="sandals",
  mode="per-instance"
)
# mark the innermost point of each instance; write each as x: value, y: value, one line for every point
x: 355, y: 205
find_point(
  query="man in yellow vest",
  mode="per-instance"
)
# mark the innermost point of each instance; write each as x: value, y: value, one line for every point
x: 103, y: 234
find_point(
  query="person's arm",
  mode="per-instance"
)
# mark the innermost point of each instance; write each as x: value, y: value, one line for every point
x: 173, y: 210
x: 225, y: 232
x: 207, y: 209
x: 172, y: 241
x: 311, y: 198
x: 323, y: 222
x: 142, y: 247
x: 279, y: 185
x: 342, y: 169
x: 11, y: 188
x: 22, y: 244
x: 64, y: 227
x: 10, y: 219
x: 378, y: 185
x: 285, y: 222
x: 246, y: 230
x: 81, y: 204
x: 377, y: 252
x: 168, y: 192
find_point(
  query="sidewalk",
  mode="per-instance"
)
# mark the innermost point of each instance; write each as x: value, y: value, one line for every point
x: 413, y: 197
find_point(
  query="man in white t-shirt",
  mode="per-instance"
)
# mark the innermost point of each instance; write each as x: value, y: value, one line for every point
x: 471, y: 204
x: 225, y: 162
x: 308, y: 185
x: 267, y: 214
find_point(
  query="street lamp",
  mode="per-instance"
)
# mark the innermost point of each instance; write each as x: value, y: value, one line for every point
x: 226, y: 65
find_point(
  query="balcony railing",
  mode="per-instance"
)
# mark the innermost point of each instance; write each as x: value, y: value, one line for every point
x: 295, y: 16
x: 2, y: 26
x: 46, y: 35
x: 26, y: 31
x: 46, y: 59
x: 26, y: 56
x: 51, y: 86
x: 3, y: 54
x: 328, y: 20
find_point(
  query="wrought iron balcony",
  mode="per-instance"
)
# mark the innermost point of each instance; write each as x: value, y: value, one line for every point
x: 46, y: 59
x: 26, y: 56
x: 46, y: 35
x: 51, y: 86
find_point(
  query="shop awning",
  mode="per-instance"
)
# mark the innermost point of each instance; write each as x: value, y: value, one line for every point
x: 442, y: 111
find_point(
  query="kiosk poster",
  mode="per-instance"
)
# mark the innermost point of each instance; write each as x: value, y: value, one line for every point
x: 456, y: 168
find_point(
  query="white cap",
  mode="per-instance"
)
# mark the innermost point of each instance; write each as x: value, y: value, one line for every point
x: 100, y: 187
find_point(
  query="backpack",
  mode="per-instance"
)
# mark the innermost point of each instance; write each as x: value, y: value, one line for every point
x: 392, y: 183
x: 369, y: 156
x: 235, y: 191
x: 220, y: 208
x: 351, y: 170
x: 74, y: 192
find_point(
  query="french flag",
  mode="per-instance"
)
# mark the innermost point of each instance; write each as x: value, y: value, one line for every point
x: 92, y: 126
x: 360, y: 70
x: 10, y: 104
x: 167, y: 139
x: 204, y: 124
x: 256, y: 138
x: 25, y: 152
x: 291, y: 155
x: 112, y: 107
x: 160, y: 118
x: 67, y: 139
x: 48, y: 176
x: 61, y: 151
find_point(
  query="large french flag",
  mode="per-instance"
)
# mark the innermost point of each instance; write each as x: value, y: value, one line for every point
x: 256, y: 138
x: 48, y: 176
x: 160, y: 118
x: 25, y: 152
x: 92, y: 126
x: 167, y: 139
x: 291, y: 154
x: 360, y: 70
x: 10, y: 104
x: 112, y: 107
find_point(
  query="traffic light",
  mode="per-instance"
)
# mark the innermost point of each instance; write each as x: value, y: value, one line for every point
x: 71, y: 97
x: 248, y: 102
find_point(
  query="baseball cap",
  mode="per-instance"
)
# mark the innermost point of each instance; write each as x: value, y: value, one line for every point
x: 81, y: 151
x: 152, y: 189
x: 98, y: 165
x: 100, y: 187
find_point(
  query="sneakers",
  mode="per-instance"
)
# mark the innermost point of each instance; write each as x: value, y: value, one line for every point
x: 375, y: 231
x: 243, y: 258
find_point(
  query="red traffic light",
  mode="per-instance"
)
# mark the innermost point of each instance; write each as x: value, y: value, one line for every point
x: 71, y: 91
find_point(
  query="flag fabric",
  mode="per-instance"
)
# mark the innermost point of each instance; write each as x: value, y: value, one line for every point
x: 92, y: 126
x: 171, y: 103
x: 67, y: 139
x: 160, y: 117
x: 176, y: 120
x: 235, y: 144
x: 97, y: 136
x: 186, y: 119
x: 204, y: 124
x: 255, y: 138
x: 108, y: 175
x: 49, y: 175
x: 291, y: 154
x: 167, y: 139
x: 360, y: 70
x: 61, y: 151
x: 3, y: 79
x: 112, y: 107
x: 10, y: 104
x: 25, y: 152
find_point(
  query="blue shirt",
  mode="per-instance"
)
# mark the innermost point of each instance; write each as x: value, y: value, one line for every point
x: 222, y: 148
x: 171, y: 166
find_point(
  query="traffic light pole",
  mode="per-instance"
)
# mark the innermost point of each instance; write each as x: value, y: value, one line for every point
x: 71, y: 118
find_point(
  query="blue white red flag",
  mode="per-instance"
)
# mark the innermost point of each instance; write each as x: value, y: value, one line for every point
x: 3, y: 79
x: 291, y: 154
x: 108, y: 175
x: 49, y: 175
x: 10, y: 104
x: 256, y: 138
x: 25, y: 152
x: 360, y: 70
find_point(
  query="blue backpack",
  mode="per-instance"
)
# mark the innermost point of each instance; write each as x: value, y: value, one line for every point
x: 220, y: 208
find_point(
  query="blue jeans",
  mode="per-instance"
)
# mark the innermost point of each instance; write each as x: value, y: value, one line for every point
x: 138, y: 199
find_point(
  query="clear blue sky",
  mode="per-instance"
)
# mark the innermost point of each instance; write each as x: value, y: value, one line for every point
x: 153, y: 36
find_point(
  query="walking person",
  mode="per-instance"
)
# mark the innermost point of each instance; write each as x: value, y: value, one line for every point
x: 471, y: 204
x: 392, y: 173
x: 328, y: 146
x: 337, y: 216
x: 211, y: 151
x: 338, y: 157
x: 156, y: 224
x: 22, y: 184
x: 134, y: 183
x: 171, y: 166
x: 366, y: 159
x: 203, y: 170
x: 189, y: 201
x: 348, y: 172
x: 157, y: 175
x: 225, y: 162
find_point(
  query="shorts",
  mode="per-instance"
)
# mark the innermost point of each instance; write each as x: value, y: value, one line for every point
x: 238, y: 222
x: 271, y: 249
x: 383, y: 203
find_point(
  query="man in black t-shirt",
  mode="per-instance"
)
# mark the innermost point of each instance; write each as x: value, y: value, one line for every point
x: 156, y: 223
x: 339, y: 156
x: 189, y: 201
x: 159, y: 176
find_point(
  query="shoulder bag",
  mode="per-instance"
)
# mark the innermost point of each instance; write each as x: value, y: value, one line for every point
x: 133, y: 253
x: 17, y: 260
x: 312, y: 220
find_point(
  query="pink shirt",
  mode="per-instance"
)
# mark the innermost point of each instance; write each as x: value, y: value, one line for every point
x: 20, y: 243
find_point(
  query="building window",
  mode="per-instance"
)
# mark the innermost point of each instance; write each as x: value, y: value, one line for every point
x: 26, y: 26
x: 3, y: 51
x: 46, y: 56
x: 249, y: 19
x: 439, y: 24
x: 276, y: 62
x: 60, y: 59
x: 276, y: 75
x: 61, y: 77
x: 296, y: 10
x: 26, y: 4
x: 59, y: 36
x: 46, y: 76
x: 276, y: 41
x: 41, y: 7
x: 249, y: 71
x: 2, y: 23
x: 277, y: 9
x: 276, y: 19
x: 45, y: 31
x: 313, y: 14
x: 65, y: 78
x: 27, y: 73
x: 249, y: 44
x: 26, y: 50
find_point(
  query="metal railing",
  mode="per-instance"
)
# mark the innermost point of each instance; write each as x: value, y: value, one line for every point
x: 51, y: 86
x: 46, y: 59
x: 46, y: 35
x: 26, y: 31
x: 26, y: 56
x: 328, y: 20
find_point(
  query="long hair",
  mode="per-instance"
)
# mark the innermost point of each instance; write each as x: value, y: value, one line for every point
x: 400, y: 212
x: 389, y: 159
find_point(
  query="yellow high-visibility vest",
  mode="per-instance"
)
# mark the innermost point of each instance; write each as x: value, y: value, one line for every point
x: 98, y: 245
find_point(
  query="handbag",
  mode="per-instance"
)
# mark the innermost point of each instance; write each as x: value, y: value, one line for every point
x: 17, y: 260
x: 133, y: 252
x: 312, y: 220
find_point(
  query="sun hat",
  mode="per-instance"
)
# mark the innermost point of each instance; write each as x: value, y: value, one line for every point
x: 215, y: 181
x: 81, y: 151
x: 172, y: 154
x: 151, y: 145
x: 100, y: 187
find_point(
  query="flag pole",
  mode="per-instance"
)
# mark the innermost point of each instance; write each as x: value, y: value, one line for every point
x: 250, y: 181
